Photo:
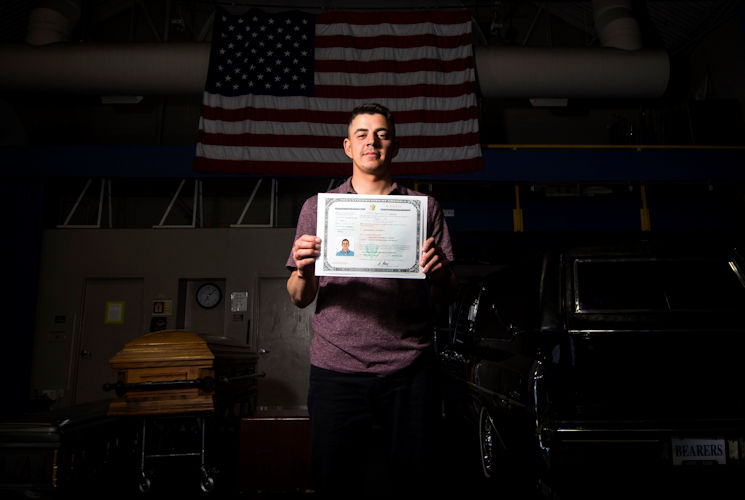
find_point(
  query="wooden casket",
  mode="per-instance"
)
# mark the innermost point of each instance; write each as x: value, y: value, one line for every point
x: 178, y: 371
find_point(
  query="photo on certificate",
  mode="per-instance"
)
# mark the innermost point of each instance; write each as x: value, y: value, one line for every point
x: 371, y: 235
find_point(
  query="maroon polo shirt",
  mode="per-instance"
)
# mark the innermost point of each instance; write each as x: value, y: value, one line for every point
x: 371, y: 325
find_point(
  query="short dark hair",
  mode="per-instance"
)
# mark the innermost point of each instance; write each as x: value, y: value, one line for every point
x: 373, y: 108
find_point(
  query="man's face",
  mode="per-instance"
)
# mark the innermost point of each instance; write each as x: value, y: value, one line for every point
x: 345, y: 246
x: 370, y: 144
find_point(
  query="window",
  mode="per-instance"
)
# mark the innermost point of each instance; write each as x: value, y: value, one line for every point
x: 649, y: 285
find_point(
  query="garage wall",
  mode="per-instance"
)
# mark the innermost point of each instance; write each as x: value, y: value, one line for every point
x: 165, y: 260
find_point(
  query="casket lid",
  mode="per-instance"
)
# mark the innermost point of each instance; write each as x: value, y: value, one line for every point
x: 171, y: 346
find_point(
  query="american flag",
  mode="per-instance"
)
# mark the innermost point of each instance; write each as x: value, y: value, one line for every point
x: 280, y: 87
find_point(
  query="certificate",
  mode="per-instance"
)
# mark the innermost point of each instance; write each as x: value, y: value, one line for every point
x: 371, y: 235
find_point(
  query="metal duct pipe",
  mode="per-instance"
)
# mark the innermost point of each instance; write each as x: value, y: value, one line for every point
x: 106, y: 69
x: 52, y: 21
x: 181, y: 68
x: 615, y: 24
x: 523, y: 72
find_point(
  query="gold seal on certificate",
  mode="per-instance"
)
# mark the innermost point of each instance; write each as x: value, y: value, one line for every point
x: 370, y: 235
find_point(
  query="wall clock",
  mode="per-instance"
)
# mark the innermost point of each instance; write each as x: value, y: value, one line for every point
x: 208, y: 295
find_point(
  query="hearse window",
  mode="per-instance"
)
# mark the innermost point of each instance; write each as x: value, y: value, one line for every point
x: 509, y: 302
x: 644, y: 285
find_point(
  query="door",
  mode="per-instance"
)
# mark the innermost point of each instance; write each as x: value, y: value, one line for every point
x: 112, y: 316
x: 282, y: 336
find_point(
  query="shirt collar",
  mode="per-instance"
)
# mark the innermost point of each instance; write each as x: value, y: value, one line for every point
x: 347, y: 187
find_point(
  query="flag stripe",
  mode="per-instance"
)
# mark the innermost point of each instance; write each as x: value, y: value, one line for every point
x: 305, y: 141
x: 394, y: 41
x: 343, y: 106
x: 439, y: 17
x: 268, y: 108
x: 359, y: 30
x: 329, y: 123
x: 391, y: 66
x: 333, y: 154
x: 452, y: 79
x: 401, y: 91
x: 385, y: 53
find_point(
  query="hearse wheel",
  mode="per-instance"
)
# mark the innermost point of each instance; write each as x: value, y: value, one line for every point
x: 490, y: 445
x: 207, y: 482
x: 145, y: 484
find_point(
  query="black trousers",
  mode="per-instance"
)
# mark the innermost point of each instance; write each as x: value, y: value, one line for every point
x: 374, y: 437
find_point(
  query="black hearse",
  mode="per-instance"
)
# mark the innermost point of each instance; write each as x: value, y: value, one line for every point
x: 601, y: 359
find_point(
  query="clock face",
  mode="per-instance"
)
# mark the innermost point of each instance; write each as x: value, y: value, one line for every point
x: 209, y: 295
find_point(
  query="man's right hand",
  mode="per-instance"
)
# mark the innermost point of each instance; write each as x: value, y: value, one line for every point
x: 303, y: 283
x: 304, y: 251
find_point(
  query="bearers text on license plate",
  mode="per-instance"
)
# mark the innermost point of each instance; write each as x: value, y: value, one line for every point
x: 691, y: 451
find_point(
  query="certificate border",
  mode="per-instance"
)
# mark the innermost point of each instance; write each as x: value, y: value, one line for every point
x: 414, y: 271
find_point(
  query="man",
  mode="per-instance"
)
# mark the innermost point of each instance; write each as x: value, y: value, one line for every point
x: 345, y: 251
x: 372, y: 379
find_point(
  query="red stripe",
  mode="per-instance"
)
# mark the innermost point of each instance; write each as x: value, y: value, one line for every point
x: 396, y: 41
x: 333, y: 117
x: 305, y: 141
x: 458, y: 16
x: 390, y: 66
x: 391, y: 92
x: 202, y: 164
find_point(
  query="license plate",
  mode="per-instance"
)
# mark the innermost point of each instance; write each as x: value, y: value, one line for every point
x: 698, y: 451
